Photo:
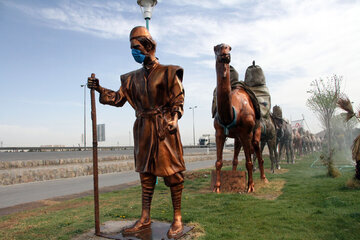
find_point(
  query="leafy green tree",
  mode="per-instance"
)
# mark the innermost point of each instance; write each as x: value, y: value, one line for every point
x: 323, y: 102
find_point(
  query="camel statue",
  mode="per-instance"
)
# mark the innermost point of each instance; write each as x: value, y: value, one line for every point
x: 284, y: 135
x: 318, y: 143
x: 307, y: 142
x: 304, y: 141
x: 236, y: 118
x: 297, y: 142
x: 311, y: 142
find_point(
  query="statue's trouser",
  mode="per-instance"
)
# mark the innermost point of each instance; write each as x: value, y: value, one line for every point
x: 148, y: 186
x: 175, y: 182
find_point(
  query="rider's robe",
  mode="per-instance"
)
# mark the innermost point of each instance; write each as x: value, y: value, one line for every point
x: 156, y: 94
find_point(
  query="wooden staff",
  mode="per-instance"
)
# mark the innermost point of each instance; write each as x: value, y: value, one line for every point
x: 95, y: 160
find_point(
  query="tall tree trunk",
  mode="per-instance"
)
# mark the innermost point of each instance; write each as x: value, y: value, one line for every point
x: 329, y: 134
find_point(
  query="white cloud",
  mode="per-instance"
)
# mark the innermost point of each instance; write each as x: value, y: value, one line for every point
x: 293, y: 41
x: 208, y: 4
x: 296, y: 40
x: 107, y: 20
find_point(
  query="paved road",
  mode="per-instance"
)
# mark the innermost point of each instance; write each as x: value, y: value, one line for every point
x: 14, y: 156
x: 12, y: 195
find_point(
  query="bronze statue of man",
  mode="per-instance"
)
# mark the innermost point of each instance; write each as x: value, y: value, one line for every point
x: 156, y: 93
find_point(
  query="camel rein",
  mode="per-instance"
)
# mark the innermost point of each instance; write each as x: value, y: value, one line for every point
x: 227, y: 127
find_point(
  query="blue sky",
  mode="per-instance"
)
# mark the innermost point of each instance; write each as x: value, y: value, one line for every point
x: 49, y: 48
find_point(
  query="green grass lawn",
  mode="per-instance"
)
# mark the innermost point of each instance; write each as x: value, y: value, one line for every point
x: 309, y: 205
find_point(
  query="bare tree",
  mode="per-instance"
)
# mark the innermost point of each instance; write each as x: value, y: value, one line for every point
x: 322, y: 101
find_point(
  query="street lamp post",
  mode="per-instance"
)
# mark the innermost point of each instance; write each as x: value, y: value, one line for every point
x: 193, y: 112
x: 146, y: 8
x: 84, y: 86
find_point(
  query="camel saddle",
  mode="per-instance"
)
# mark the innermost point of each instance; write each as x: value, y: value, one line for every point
x: 236, y: 84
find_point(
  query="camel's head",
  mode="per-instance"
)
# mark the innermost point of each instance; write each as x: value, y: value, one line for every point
x: 222, y: 53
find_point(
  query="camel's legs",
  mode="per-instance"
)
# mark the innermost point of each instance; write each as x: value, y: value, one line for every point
x: 277, y: 159
x: 255, y: 144
x: 220, y: 140
x: 251, y: 143
x: 249, y: 164
x: 254, y: 162
x: 273, y: 154
x: 287, y: 151
x: 262, y: 143
x: 281, y: 145
x: 278, y: 155
x: 291, y: 151
x: 237, y: 148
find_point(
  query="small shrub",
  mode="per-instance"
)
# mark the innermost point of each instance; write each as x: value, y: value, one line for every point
x: 333, y: 171
x: 353, y: 183
x: 328, y: 160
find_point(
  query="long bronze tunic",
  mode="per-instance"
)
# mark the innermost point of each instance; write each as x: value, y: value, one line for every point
x: 155, y: 94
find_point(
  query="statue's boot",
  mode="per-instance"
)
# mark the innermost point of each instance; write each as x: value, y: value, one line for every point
x: 176, y: 227
x: 148, y: 186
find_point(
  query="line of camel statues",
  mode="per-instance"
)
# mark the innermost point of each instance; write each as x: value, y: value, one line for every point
x: 242, y: 111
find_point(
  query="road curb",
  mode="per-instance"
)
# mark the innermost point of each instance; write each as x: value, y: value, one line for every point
x: 17, y: 172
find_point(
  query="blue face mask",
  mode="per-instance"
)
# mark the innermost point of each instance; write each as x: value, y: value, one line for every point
x: 138, y: 56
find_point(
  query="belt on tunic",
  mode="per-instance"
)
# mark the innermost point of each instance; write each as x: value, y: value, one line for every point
x: 158, y: 116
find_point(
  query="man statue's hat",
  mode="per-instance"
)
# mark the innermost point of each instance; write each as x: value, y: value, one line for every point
x: 139, y: 31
